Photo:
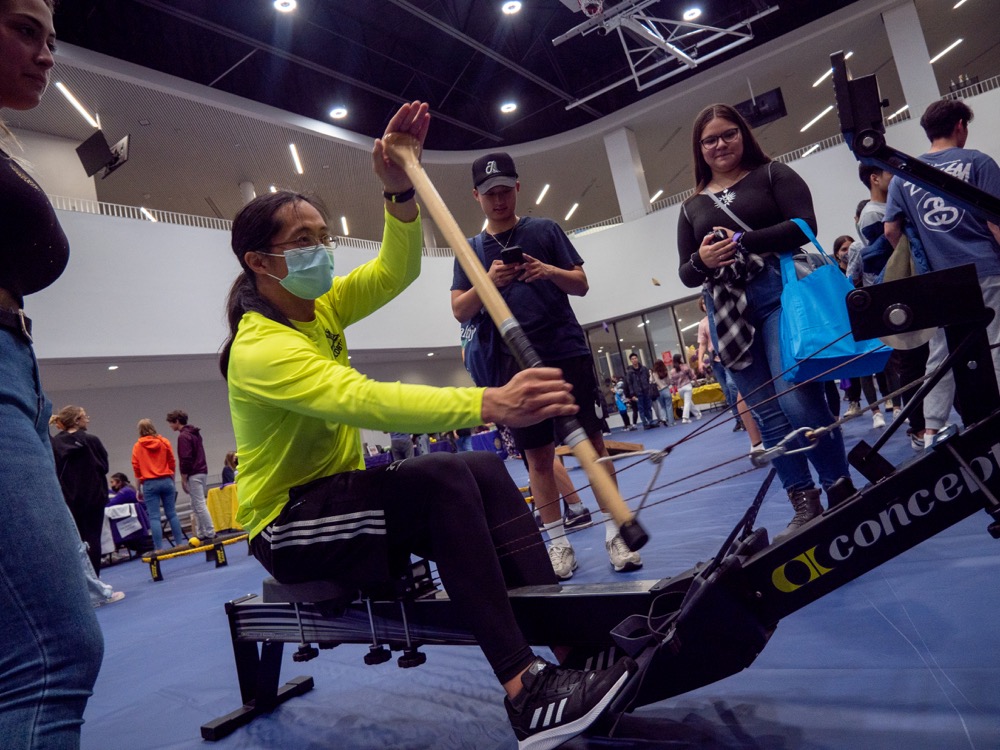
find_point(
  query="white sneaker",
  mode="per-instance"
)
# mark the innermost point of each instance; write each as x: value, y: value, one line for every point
x: 853, y: 410
x: 878, y: 421
x: 623, y: 560
x: 563, y: 560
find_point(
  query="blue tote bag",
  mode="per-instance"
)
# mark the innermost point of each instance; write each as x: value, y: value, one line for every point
x: 813, y: 315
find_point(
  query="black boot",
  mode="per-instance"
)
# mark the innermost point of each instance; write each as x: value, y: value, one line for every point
x: 807, y: 507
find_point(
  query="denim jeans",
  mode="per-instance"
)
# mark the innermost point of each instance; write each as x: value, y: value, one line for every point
x: 646, y: 409
x: 666, y: 401
x: 201, y: 520
x: 801, y: 406
x: 729, y: 390
x: 157, y: 491
x: 52, y: 645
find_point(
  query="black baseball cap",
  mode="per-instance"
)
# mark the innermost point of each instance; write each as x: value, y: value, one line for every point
x: 493, y: 169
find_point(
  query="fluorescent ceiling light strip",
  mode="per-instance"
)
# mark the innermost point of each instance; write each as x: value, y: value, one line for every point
x: 343, y: 225
x: 295, y: 158
x: 816, y: 119
x: 898, y: 112
x: 945, y: 51
x: 147, y: 214
x: 957, y: 5
x: 656, y: 196
x: 814, y: 147
x: 542, y: 194
x: 76, y: 104
x: 829, y: 73
x: 571, y: 211
x: 693, y: 325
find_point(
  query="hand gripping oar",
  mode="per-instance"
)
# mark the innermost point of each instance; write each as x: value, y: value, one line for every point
x: 405, y: 151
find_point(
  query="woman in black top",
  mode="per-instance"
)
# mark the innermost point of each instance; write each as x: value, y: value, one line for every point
x: 52, y: 644
x: 81, y: 465
x: 752, y: 200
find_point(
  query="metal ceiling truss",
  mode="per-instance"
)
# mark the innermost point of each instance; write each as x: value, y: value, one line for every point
x: 650, y: 42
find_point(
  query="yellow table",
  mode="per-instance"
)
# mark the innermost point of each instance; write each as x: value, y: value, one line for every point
x: 222, y: 505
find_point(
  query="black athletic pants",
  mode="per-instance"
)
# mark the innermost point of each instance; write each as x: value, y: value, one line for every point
x: 463, y: 511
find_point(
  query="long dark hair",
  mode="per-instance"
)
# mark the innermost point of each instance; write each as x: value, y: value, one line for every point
x: 253, y: 228
x: 753, y: 154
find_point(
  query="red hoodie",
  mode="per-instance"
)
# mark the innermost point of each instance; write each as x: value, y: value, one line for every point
x: 152, y: 457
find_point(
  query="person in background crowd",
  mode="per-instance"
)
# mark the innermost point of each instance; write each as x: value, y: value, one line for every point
x: 950, y: 236
x: 153, y: 464
x: 229, y: 468
x: 194, y: 472
x: 735, y: 179
x: 52, y: 644
x: 637, y: 389
x: 81, y: 464
x: 537, y: 288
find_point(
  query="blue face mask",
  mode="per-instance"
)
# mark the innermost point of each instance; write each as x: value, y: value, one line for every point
x: 310, y: 271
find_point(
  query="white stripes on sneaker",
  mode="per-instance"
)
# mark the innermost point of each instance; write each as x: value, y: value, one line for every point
x: 328, y: 529
x: 556, y: 707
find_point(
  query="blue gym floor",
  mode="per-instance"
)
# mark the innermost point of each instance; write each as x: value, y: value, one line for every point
x: 904, y: 657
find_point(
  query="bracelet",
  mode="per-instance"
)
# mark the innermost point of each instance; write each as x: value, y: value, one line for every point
x: 400, y: 197
x: 699, y: 265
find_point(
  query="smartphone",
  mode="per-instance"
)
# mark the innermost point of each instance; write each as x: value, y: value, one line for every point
x: 719, y: 235
x: 512, y: 254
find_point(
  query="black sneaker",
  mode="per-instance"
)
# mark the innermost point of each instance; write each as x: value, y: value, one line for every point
x: 558, y: 704
x: 577, y: 519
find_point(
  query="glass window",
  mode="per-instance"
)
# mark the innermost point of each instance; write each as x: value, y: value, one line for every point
x: 632, y: 338
x: 662, y: 332
x: 688, y: 316
x: 604, y: 347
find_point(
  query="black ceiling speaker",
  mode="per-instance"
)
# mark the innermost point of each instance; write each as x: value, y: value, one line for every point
x: 763, y: 108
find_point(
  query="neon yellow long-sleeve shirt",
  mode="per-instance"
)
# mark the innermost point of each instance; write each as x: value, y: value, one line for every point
x: 297, y: 404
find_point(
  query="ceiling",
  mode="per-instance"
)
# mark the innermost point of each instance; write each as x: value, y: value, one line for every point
x: 213, y: 91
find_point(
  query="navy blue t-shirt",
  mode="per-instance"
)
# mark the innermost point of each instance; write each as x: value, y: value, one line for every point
x: 951, y: 235
x: 541, y: 307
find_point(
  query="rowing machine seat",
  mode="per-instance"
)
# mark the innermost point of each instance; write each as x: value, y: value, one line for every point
x: 331, y: 594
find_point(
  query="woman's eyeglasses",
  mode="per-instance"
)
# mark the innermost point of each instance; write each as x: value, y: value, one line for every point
x: 727, y: 136
x: 307, y: 240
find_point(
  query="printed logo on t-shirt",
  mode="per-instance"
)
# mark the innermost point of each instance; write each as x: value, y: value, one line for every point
x: 935, y: 213
x: 336, y: 345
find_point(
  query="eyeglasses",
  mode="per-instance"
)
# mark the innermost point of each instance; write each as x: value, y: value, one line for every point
x: 307, y: 240
x: 727, y: 136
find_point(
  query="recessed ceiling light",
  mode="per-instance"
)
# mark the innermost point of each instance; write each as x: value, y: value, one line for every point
x: 338, y: 113
x: 147, y: 214
x: 814, y: 147
x: 958, y: 4
x: 692, y: 13
x: 273, y: 189
x: 511, y: 7
x: 508, y: 107
x: 430, y: 354
x: 285, y: 6
x: 343, y: 225
x: 112, y: 367
x: 572, y: 211
x: 542, y: 194
x: 656, y: 196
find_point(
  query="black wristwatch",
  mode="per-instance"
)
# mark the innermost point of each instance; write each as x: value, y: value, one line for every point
x: 400, y: 197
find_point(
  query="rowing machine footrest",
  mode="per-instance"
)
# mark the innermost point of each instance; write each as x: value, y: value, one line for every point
x: 377, y: 655
x: 411, y: 657
x: 305, y: 652
x: 634, y: 536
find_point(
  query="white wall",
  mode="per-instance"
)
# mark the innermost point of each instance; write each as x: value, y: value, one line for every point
x: 56, y: 167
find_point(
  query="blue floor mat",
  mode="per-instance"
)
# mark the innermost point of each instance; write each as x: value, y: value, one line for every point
x: 903, y: 657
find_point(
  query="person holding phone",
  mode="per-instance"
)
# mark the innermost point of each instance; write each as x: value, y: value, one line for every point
x: 535, y: 267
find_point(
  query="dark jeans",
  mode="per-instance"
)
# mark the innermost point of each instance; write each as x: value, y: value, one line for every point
x: 461, y: 510
x: 908, y: 366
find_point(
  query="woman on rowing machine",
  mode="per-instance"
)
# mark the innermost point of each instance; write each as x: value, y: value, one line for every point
x: 752, y: 200
x: 313, y: 511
